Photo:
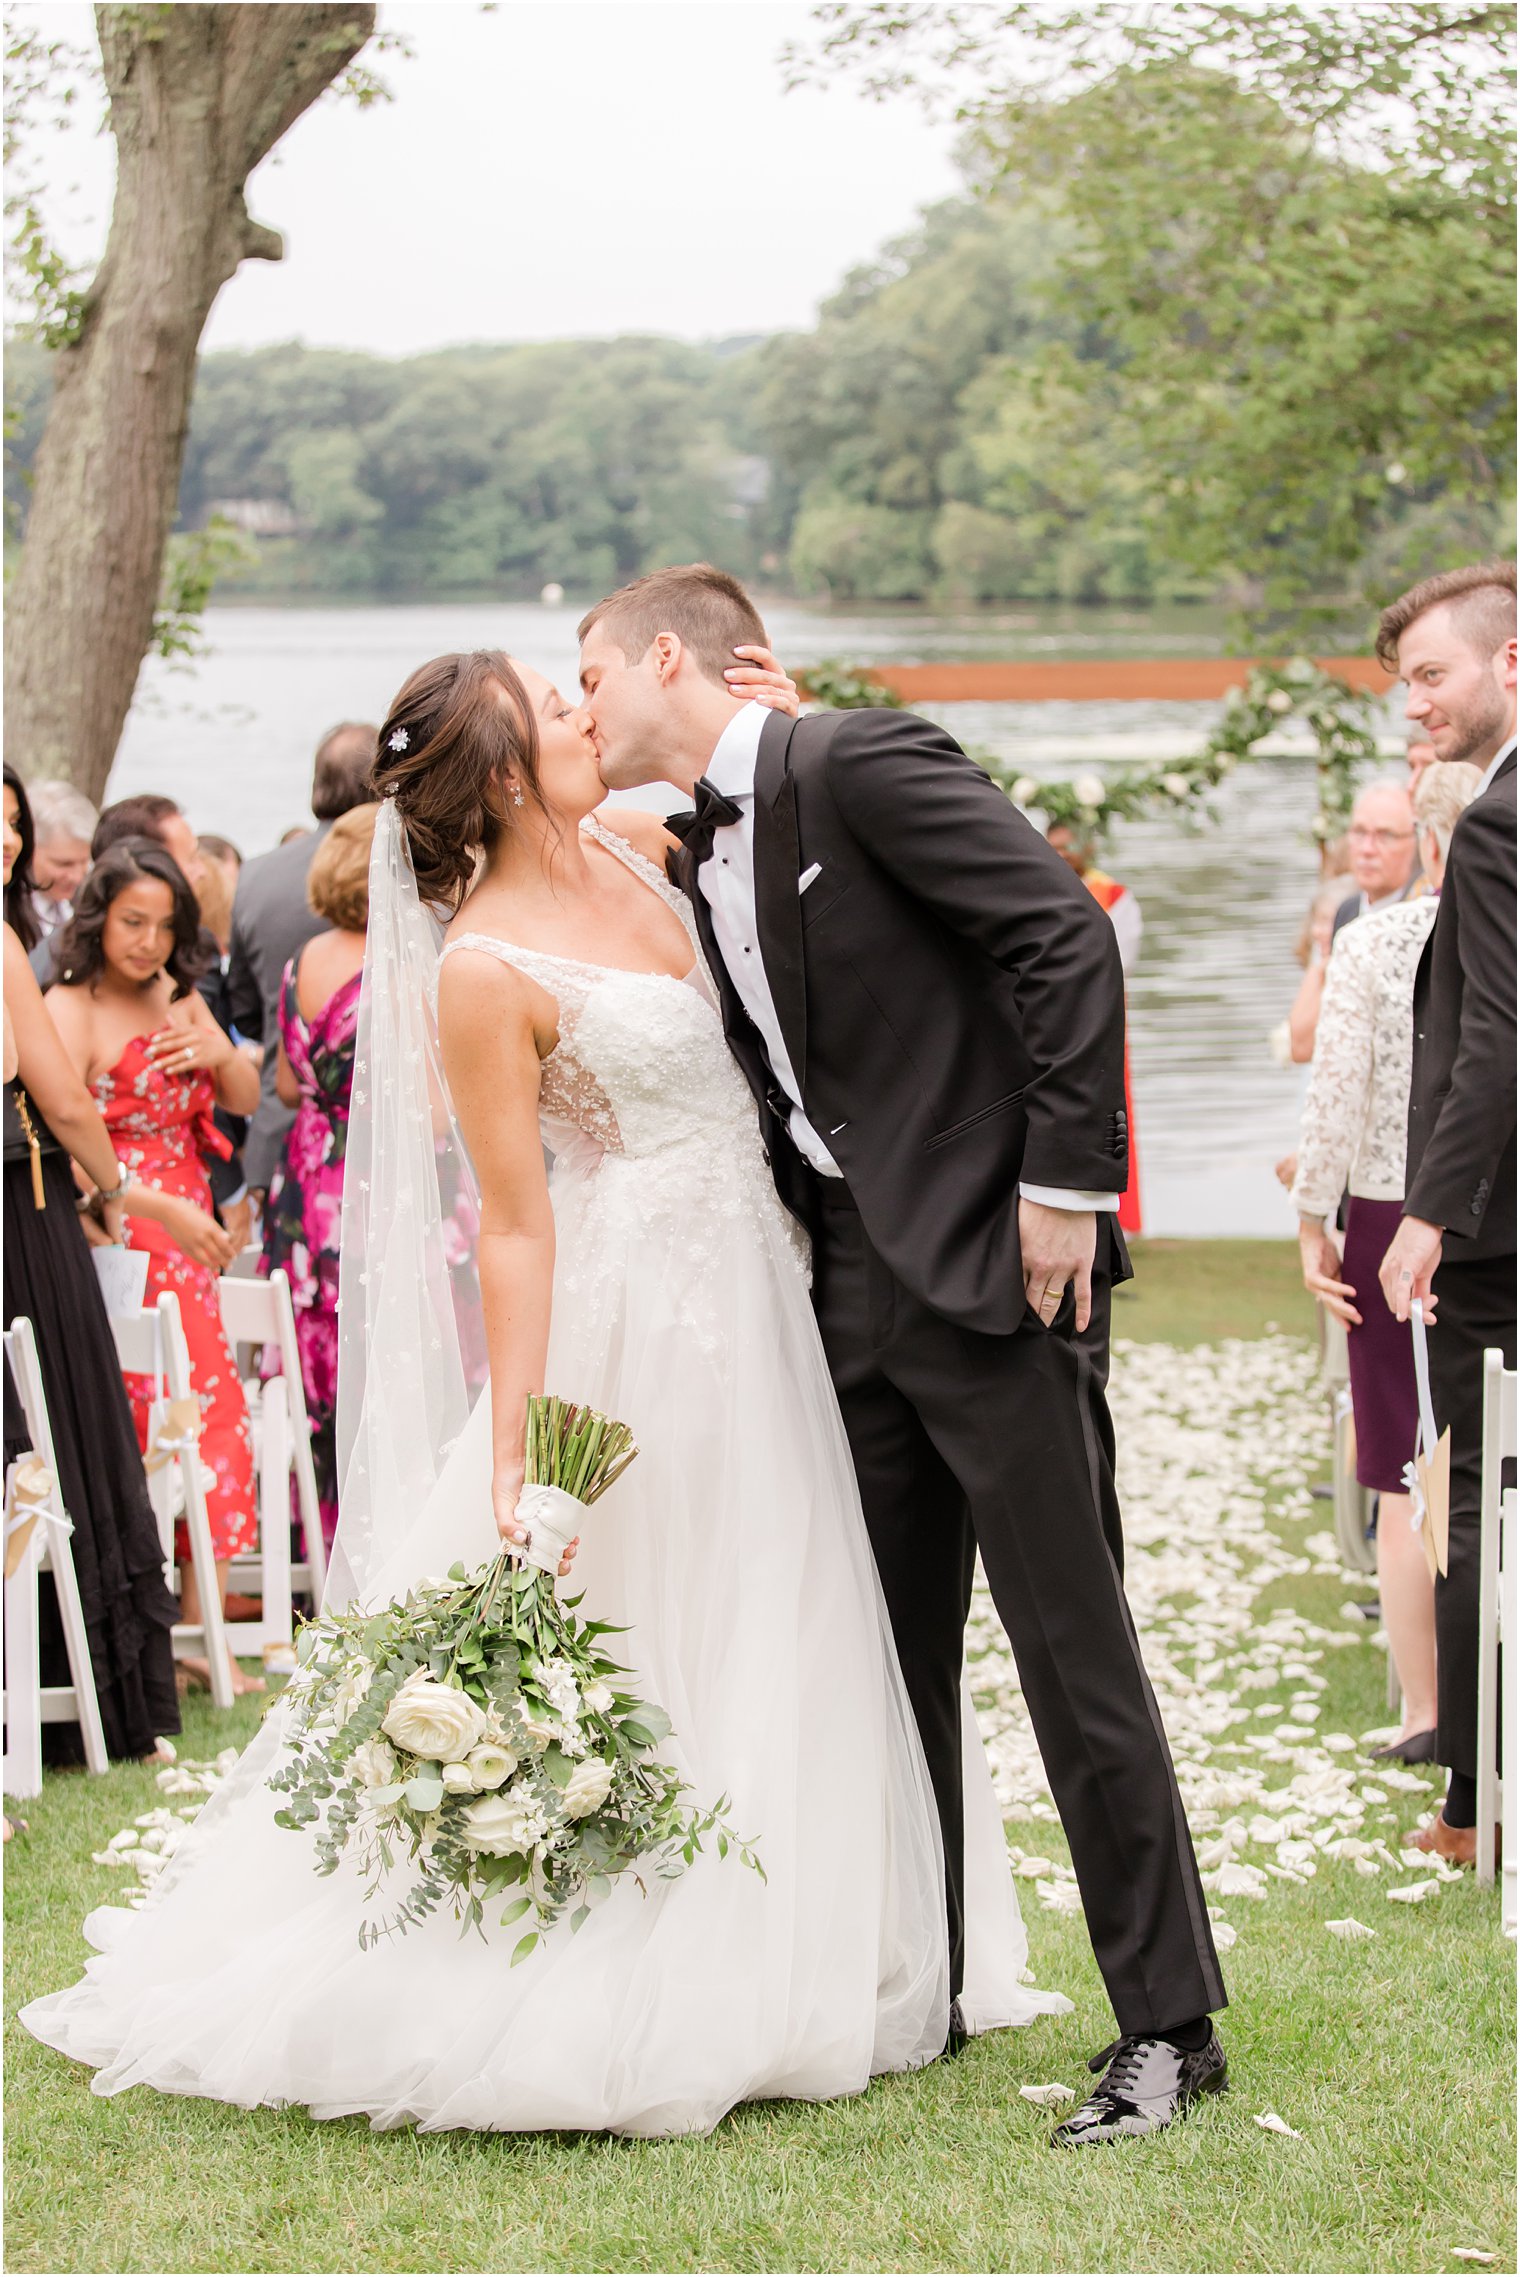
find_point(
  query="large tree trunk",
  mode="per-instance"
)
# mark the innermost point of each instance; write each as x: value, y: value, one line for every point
x: 198, y: 95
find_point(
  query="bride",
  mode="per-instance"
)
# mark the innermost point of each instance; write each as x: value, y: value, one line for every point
x: 654, y: 1274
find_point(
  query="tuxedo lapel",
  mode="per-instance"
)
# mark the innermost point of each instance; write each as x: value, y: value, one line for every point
x: 778, y: 904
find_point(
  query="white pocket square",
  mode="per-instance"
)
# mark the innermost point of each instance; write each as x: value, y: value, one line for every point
x: 808, y: 875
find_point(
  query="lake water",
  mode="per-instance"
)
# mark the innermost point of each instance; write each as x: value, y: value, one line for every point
x: 232, y: 741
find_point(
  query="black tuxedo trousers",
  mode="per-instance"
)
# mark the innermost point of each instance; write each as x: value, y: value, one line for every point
x: 1475, y: 1309
x: 965, y: 1440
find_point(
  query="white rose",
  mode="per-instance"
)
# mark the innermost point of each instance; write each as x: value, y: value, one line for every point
x: 1024, y: 790
x: 499, y: 1825
x: 373, y: 1764
x: 589, y: 1786
x: 490, y: 1765
x: 459, y: 1779
x: 351, y: 1691
x: 433, y: 1720
x: 1176, y: 786
x: 1090, y: 789
x: 598, y: 1697
x: 1279, y: 701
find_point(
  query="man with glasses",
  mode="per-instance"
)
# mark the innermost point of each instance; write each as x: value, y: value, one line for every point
x: 1384, y: 861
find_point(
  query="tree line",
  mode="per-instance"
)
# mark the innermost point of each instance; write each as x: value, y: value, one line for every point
x: 954, y: 427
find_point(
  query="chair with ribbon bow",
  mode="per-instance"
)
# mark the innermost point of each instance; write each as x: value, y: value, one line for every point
x: 37, y: 1530
x: 1498, y: 1635
x: 260, y: 1312
x: 153, y: 1344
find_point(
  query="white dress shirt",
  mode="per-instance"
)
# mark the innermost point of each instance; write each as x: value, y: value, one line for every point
x: 1494, y: 765
x: 726, y: 881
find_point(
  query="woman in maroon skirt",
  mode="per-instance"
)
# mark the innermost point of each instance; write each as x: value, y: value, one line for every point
x: 1352, y: 1142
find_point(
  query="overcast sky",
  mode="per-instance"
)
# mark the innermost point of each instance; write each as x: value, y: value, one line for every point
x: 553, y: 168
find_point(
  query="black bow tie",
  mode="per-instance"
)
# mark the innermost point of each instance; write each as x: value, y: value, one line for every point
x: 712, y: 812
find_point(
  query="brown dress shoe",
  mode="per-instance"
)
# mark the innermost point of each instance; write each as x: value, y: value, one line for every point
x: 1458, y: 1845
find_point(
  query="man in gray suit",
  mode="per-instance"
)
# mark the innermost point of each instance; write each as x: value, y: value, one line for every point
x: 272, y: 920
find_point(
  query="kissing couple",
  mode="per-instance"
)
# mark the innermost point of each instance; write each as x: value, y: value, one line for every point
x: 797, y: 1139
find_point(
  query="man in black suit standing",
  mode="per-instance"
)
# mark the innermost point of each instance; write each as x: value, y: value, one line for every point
x: 272, y: 919
x: 929, y: 1008
x: 1452, y: 642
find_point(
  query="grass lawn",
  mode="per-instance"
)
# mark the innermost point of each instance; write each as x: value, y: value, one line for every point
x: 1393, y: 2058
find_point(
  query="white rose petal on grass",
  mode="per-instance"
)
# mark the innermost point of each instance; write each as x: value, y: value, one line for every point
x: 1349, y: 1928
x: 588, y: 1787
x: 435, y: 1721
x: 1224, y: 1936
x: 1471, y: 2253
x: 1050, y: 2095
x: 1414, y: 1893
x: 1275, y: 2126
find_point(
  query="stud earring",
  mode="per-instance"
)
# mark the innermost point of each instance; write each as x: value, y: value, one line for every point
x: 517, y: 797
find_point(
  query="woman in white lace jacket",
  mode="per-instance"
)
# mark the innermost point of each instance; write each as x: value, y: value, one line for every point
x: 1352, y: 1141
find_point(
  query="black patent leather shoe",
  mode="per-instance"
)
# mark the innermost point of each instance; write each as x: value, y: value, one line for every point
x: 958, y: 2034
x: 1147, y: 2085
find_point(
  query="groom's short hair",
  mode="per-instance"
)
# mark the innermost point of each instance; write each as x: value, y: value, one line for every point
x: 710, y: 611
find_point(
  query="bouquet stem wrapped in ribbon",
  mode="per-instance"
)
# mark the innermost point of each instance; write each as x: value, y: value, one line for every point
x: 479, y: 1730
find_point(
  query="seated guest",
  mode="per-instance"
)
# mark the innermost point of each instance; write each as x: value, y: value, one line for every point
x: 1353, y: 1138
x: 1452, y: 642
x: 64, y: 821
x: 141, y: 1036
x: 50, y: 1281
x: 218, y: 887
x: 272, y: 920
x: 319, y: 1020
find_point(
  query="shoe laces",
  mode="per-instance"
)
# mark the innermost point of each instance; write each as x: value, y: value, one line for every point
x: 1128, y: 2056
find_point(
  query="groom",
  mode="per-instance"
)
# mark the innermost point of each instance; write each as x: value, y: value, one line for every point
x: 930, y: 1011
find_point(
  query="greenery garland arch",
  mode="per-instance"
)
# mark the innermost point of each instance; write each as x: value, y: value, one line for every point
x: 1335, y: 713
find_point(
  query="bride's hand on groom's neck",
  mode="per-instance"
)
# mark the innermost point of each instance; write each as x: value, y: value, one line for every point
x: 760, y: 678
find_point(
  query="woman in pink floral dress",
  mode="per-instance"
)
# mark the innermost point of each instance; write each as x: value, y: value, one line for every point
x: 159, y: 1066
x: 319, y: 1020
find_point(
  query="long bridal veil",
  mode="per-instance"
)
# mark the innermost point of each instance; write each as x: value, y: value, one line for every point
x: 410, y: 1347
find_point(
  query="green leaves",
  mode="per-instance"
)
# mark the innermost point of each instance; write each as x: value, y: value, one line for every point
x: 425, y: 1792
x: 524, y: 1947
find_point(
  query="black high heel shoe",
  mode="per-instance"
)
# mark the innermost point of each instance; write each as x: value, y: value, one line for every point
x: 1419, y: 1747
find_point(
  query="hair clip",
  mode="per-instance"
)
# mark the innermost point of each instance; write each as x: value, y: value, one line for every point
x: 400, y: 741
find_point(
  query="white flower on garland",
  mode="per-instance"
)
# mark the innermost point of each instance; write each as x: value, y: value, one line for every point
x: 1090, y: 789
x: 1176, y: 786
x: 1024, y: 790
x: 1279, y: 701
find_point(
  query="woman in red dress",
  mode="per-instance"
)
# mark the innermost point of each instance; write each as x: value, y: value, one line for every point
x: 159, y: 1066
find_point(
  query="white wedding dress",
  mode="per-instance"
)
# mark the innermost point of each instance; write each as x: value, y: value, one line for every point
x: 736, y: 1551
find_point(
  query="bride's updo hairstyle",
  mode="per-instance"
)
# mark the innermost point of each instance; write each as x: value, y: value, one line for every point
x: 459, y: 728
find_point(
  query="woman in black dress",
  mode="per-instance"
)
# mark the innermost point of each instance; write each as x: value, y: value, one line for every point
x: 49, y: 1116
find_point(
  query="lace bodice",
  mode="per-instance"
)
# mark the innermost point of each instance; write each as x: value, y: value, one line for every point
x: 640, y: 1065
x: 1354, y: 1131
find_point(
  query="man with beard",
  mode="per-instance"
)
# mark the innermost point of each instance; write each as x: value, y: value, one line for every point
x: 1451, y: 640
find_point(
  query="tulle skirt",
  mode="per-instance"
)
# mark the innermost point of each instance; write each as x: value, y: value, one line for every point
x: 735, y: 1550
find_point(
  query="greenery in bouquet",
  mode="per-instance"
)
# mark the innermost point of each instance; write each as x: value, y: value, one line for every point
x: 478, y: 1729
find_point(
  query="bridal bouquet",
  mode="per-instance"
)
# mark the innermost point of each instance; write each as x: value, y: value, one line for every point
x: 478, y: 1728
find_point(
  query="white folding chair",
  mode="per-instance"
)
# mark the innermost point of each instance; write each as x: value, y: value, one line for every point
x: 153, y: 1344
x: 29, y: 1703
x: 260, y: 1312
x: 1498, y: 1633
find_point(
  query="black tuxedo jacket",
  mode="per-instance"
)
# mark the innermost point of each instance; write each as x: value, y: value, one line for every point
x: 1461, y: 1172
x: 951, y: 998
